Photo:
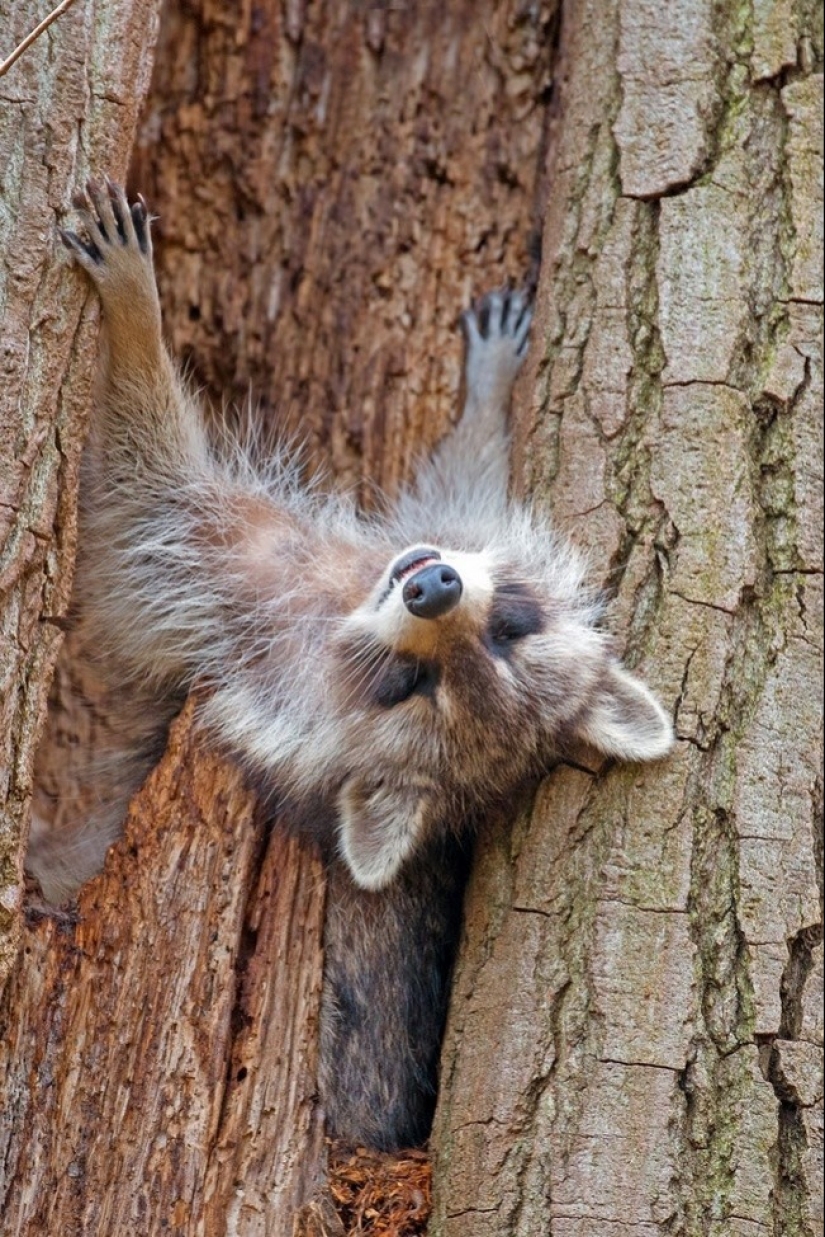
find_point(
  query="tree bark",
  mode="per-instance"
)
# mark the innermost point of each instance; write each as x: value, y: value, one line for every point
x: 132, y: 1030
x: 636, y: 1029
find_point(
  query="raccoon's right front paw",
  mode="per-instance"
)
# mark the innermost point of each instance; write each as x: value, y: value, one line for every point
x: 115, y: 246
x: 497, y: 331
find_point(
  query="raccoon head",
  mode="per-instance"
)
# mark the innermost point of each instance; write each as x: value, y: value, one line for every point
x: 465, y: 675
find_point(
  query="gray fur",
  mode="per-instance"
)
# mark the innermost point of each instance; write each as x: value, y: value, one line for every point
x: 385, y: 732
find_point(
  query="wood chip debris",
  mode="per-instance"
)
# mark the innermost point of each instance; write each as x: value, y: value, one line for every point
x: 380, y: 1195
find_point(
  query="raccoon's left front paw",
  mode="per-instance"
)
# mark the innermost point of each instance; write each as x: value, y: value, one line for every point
x: 497, y: 331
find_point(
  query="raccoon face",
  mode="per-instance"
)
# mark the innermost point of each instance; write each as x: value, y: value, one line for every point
x: 465, y: 675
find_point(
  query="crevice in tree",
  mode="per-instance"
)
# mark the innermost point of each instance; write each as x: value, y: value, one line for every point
x: 794, y: 978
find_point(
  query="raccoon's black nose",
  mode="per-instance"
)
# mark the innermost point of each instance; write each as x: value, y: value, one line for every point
x: 432, y: 591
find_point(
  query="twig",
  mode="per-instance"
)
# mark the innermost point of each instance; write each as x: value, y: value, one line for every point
x: 35, y: 34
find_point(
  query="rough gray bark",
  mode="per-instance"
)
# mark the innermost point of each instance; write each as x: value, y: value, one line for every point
x: 636, y: 1031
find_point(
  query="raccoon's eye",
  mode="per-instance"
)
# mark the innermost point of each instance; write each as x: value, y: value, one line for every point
x: 514, y: 616
x: 507, y: 632
x: 402, y: 678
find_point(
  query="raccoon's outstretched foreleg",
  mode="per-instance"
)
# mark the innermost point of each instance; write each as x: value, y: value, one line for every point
x: 171, y: 537
x: 471, y: 465
x: 144, y: 410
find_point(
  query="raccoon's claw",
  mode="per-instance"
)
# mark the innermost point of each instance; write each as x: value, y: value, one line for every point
x: 519, y: 320
x: 85, y: 251
x: 140, y: 222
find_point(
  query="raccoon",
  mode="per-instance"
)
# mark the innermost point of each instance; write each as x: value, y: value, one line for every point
x: 388, y: 679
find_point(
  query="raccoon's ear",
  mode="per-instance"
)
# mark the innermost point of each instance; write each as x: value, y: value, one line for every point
x: 378, y: 828
x: 624, y: 719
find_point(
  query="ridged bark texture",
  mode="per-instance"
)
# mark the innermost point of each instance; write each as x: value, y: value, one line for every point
x: 635, y: 1045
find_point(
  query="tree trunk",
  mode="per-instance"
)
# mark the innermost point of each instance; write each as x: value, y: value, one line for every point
x: 636, y: 1028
